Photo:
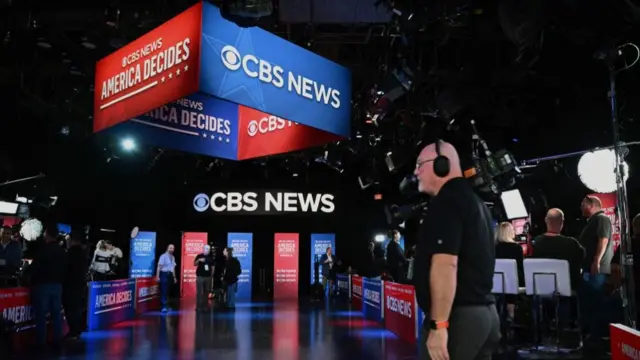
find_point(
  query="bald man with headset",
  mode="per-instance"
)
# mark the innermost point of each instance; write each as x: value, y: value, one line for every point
x: 454, y: 263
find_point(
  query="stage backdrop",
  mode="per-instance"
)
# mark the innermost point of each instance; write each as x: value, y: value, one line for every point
x: 319, y: 244
x: 192, y: 245
x: 193, y: 84
x: 142, y: 255
x: 242, y: 244
x: 110, y: 302
x: 285, y: 266
x: 609, y: 204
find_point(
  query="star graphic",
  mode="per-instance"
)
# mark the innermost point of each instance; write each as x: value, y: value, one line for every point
x: 186, y: 68
x: 213, y: 137
x: 204, y: 135
x: 237, y: 81
x: 170, y: 75
x: 219, y: 138
x: 178, y: 72
x: 162, y: 79
x: 227, y: 140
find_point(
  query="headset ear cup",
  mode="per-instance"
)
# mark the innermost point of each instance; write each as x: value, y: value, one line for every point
x: 441, y: 166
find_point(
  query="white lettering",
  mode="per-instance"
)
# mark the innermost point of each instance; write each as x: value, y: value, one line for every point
x: 273, y: 202
x: 399, y: 306
x: 373, y: 296
x: 111, y: 299
x: 159, y: 61
x: 273, y: 74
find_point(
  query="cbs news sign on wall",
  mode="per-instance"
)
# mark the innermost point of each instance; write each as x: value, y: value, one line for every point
x: 264, y: 203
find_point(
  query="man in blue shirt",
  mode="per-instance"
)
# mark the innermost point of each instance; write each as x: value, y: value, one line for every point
x: 166, y: 274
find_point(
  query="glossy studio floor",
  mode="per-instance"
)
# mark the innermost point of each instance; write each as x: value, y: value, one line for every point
x: 254, y: 331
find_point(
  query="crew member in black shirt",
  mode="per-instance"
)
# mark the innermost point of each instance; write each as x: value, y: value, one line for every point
x: 455, y: 262
x: 48, y: 271
x: 204, y: 281
x: 598, y: 245
x: 75, y: 286
x: 554, y: 245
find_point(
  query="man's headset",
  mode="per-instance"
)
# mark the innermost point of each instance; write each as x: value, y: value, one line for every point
x: 441, y: 164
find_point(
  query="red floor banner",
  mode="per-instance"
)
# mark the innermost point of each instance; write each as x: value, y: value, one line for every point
x: 625, y: 342
x: 356, y: 292
x: 285, y: 266
x: 192, y: 245
x: 401, y: 310
x: 147, y: 294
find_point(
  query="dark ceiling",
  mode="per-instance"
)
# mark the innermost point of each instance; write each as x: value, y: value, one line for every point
x: 529, y: 76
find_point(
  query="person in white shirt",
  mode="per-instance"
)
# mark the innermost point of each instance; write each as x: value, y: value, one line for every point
x: 166, y: 274
x: 101, y: 260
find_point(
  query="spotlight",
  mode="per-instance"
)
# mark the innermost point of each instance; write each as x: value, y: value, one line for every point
x: 596, y: 170
x: 128, y: 144
x: 379, y: 238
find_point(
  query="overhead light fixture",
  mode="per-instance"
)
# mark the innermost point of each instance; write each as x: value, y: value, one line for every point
x: 88, y: 45
x: 596, y: 170
x: 43, y: 44
x: 128, y: 144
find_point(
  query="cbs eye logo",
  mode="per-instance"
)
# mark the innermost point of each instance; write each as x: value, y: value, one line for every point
x: 231, y: 58
x: 201, y: 202
x: 252, y: 129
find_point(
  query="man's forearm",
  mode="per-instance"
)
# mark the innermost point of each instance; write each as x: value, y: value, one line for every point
x: 442, y: 280
x: 602, y: 247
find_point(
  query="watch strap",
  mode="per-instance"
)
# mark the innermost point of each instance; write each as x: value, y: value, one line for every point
x: 437, y: 325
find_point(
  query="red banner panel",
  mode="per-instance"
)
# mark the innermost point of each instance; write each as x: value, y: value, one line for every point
x: 356, y: 292
x: 17, y: 314
x: 625, y: 342
x: 159, y: 67
x: 285, y: 266
x: 192, y: 245
x: 609, y: 203
x: 401, y: 310
x: 147, y: 294
x: 262, y: 134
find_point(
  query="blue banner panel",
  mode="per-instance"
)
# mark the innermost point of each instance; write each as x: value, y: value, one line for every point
x: 197, y: 124
x: 110, y: 302
x: 242, y: 244
x: 342, y: 284
x: 258, y: 69
x: 372, y: 299
x: 319, y: 245
x: 142, y: 255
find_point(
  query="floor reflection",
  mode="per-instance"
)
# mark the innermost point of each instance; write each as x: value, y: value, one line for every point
x: 252, y: 331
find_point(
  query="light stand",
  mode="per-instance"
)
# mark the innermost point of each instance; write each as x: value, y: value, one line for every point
x: 622, y: 208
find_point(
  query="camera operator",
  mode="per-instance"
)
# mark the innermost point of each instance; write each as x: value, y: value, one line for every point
x: 74, y: 286
x: 454, y: 263
x: 48, y: 271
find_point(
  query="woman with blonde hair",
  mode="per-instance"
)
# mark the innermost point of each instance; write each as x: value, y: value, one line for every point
x: 508, y: 248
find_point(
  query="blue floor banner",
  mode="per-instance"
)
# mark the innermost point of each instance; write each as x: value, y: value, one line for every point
x: 319, y: 245
x: 142, y: 255
x: 110, y: 302
x: 343, y: 285
x: 372, y: 299
x: 242, y: 244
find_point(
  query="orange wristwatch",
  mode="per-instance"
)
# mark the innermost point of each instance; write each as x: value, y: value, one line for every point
x: 437, y: 325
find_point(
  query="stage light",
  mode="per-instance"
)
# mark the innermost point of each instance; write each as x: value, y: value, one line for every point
x: 128, y: 144
x: 380, y: 237
x: 596, y: 170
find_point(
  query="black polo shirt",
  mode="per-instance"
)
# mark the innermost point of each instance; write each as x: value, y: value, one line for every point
x: 457, y: 223
x: 598, y: 227
x: 205, y: 268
